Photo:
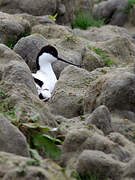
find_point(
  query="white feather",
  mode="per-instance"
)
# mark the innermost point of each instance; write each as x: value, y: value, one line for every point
x: 46, y: 75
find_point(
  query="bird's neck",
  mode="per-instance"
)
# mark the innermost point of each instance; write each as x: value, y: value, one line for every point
x: 47, y: 71
x: 47, y: 68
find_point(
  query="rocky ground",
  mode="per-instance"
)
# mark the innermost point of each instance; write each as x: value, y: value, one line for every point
x: 92, y: 108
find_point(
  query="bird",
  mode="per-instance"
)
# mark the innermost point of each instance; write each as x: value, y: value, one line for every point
x: 45, y: 78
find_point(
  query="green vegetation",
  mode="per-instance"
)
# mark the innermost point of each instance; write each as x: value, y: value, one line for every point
x: 38, y: 138
x: 3, y: 93
x: 82, y: 118
x: 70, y: 38
x: 80, y: 101
x: 37, y: 135
x: 104, y: 55
x: 6, y: 106
x: 34, y: 154
x: 53, y: 17
x: 131, y: 2
x: 34, y: 118
x: 12, y: 41
x: 47, y: 144
x: 20, y: 172
x: 97, y: 1
x: 33, y: 163
x: 84, y: 20
x: 87, y: 177
x: 8, y: 110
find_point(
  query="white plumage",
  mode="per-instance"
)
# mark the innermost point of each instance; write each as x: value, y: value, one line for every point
x: 45, y: 78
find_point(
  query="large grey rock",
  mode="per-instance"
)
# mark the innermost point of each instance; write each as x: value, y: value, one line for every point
x: 101, y: 118
x: 121, y: 48
x: 36, y: 20
x: 88, y: 138
x: 125, y: 144
x: 70, y: 56
x: 99, y: 163
x: 14, y: 69
x: 35, y: 8
x: 115, y: 90
x: 18, y: 91
x: 116, y: 52
x: 73, y: 146
x: 104, y: 33
x: 69, y: 15
x: 12, y: 27
x: 91, y: 60
x: 51, y: 31
x: 15, y: 167
x: 123, y: 123
x: 67, y: 97
x: 28, y: 48
x: 129, y: 172
x: 11, y: 139
x: 112, y: 10
x: 40, y: 7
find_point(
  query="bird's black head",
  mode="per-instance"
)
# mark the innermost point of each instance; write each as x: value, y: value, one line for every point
x: 46, y: 49
x: 52, y: 51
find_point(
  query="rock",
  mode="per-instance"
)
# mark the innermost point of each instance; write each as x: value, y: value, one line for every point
x: 36, y: 20
x: 35, y: 8
x: 91, y: 60
x: 73, y: 146
x: 122, y: 49
x: 89, y: 138
x: 104, y: 33
x: 14, y: 69
x: 61, y: 9
x: 18, y: 167
x: 39, y: 7
x: 75, y: 139
x: 70, y: 56
x: 11, y: 139
x: 103, y: 144
x: 9, y: 6
x: 69, y: 13
x: 101, y: 118
x: 28, y: 48
x: 52, y: 31
x: 114, y: 89
x: 123, y: 124
x: 18, y: 94
x: 115, y: 52
x: 131, y: 21
x: 69, y: 92
x: 125, y: 144
x: 62, y: 36
x: 112, y: 10
x: 12, y: 27
x: 129, y: 172
x: 65, y: 14
x: 98, y: 163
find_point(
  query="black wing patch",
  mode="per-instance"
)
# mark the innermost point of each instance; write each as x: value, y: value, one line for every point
x: 41, y: 96
x: 39, y: 82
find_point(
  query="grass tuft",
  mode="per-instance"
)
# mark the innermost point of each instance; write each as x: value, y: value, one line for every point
x: 104, y: 55
x: 12, y: 41
x: 84, y: 20
x: 89, y: 176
